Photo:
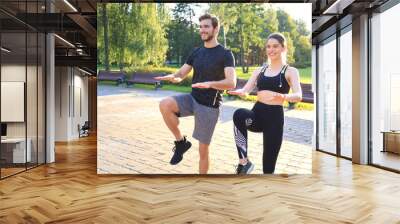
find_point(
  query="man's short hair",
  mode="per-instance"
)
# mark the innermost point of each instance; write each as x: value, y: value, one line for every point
x: 214, y: 19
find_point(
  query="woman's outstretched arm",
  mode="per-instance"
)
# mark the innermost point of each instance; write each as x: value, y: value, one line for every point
x: 294, y: 82
x: 249, y: 86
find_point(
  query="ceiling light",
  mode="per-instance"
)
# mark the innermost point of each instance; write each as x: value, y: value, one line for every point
x: 64, y: 40
x: 5, y: 50
x: 70, y: 5
x: 79, y: 51
x: 86, y: 72
x: 338, y: 6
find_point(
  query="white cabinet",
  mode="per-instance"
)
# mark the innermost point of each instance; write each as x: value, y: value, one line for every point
x: 18, y: 149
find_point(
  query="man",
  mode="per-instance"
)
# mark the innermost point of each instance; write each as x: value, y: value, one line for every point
x: 214, y: 72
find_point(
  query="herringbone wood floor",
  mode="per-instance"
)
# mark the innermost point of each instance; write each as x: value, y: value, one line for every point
x: 70, y: 191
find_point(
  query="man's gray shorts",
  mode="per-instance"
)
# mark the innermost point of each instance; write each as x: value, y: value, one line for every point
x: 205, y: 118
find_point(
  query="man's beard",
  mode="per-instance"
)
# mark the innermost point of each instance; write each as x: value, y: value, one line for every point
x: 210, y: 37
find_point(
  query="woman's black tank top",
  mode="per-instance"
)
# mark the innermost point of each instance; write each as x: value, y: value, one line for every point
x: 277, y: 83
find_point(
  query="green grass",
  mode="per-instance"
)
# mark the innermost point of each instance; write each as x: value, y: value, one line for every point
x: 112, y: 68
x: 241, y: 75
x: 183, y: 89
x: 185, y: 86
x: 305, y: 73
x: 107, y: 82
x: 188, y: 89
x: 129, y: 70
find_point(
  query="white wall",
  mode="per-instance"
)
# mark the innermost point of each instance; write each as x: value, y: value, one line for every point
x: 61, y: 114
x: 71, y: 94
x: 81, y: 100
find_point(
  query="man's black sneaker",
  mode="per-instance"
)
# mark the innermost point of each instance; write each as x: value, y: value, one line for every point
x: 245, y: 169
x: 180, y: 148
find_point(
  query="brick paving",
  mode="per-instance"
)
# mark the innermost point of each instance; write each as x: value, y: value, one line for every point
x: 133, y: 139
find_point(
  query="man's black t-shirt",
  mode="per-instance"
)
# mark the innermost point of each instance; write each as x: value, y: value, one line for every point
x: 208, y: 65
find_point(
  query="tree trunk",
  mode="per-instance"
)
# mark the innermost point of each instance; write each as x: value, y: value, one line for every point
x: 224, y: 33
x: 242, y: 53
x: 106, y: 50
x: 124, y: 36
x: 242, y: 58
x: 246, y: 68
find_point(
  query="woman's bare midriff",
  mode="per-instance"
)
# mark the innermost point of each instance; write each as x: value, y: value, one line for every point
x: 266, y: 97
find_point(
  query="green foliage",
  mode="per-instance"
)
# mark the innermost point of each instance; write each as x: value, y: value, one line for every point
x: 102, y: 36
x: 182, y: 89
x: 241, y: 75
x: 137, y: 34
x: 302, y: 28
x: 118, y: 20
x: 152, y: 35
x: 305, y: 75
x: 286, y: 23
x: 303, y: 48
x: 182, y: 33
x: 249, y: 26
x: 291, y: 48
x: 270, y: 22
x: 227, y: 18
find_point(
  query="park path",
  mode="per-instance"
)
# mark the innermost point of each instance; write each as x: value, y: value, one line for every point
x: 133, y: 139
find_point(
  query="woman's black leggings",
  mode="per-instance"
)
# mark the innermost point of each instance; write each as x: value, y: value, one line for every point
x: 264, y: 118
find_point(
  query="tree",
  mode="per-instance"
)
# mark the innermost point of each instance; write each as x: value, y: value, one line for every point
x: 100, y: 36
x: 226, y: 15
x: 291, y: 48
x: 302, y: 28
x: 105, y: 36
x: 269, y: 25
x: 181, y: 33
x: 137, y: 34
x: 118, y: 27
x: 270, y: 22
x: 287, y: 26
x: 303, y: 52
x: 246, y: 34
x: 163, y: 15
x: 286, y: 23
x: 148, y: 34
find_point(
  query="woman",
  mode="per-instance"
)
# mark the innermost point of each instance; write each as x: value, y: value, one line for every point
x: 273, y: 80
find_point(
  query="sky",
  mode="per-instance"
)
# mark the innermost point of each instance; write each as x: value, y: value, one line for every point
x: 297, y: 11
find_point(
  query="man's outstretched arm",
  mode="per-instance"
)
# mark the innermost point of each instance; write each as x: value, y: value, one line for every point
x: 228, y: 83
x: 177, y: 76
